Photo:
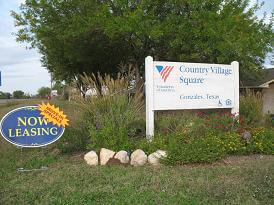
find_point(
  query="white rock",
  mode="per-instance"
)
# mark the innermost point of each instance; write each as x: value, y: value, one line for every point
x: 105, y: 155
x: 122, y: 156
x: 138, y: 158
x: 161, y: 153
x: 91, y: 158
x: 154, y: 158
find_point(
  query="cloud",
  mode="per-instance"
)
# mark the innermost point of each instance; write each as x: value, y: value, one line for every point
x: 20, y: 1
x: 15, y: 54
x: 27, y: 76
x: 13, y: 76
x: 20, y: 68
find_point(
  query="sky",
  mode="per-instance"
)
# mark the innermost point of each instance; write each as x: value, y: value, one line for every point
x: 21, y: 68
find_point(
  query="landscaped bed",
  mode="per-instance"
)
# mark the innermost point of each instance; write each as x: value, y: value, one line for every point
x: 226, y: 177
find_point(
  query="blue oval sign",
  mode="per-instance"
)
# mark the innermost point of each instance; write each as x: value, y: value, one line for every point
x: 26, y: 127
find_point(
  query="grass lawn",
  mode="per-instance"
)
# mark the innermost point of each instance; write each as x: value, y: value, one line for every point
x: 236, y: 180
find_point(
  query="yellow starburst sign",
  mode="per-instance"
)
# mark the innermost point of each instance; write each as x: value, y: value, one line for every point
x: 53, y: 114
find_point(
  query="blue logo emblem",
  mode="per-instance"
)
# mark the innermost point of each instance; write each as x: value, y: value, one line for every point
x: 26, y: 127
x: 164, y: 71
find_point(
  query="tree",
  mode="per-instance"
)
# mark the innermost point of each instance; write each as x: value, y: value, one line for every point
x: 215, y: 31
x: 86, y: 36
x: 18, y: 94
x: 5, y: 95
x: 69, y: 49
x: 59, y: 87
x: 27, y: 96
x: 44, y: 92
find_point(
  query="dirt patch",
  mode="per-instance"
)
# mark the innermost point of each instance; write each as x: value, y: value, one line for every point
x: 77, y: 156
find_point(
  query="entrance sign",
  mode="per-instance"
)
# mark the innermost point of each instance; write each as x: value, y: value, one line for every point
x: 29, y: 127
x: 179, y: 85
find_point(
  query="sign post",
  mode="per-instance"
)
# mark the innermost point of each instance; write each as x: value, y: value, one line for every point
x: 180, y: 85
x: 235, y: 110
x: 149, y: 97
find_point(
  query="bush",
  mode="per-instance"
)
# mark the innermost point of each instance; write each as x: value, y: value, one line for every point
x: 269, y: 120
x: 220, y: 122
x: 251, y: 108
x: 185, y: 148
x: 199, y: 137
x: 179, y: 123
x: 262, y: 141
x: 113, y: 119
x: 74, y: 139
x: 110, y: 121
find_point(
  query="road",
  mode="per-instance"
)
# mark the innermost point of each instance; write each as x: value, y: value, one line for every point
x: 6, y: 101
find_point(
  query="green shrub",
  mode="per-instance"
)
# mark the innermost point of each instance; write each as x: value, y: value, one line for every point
x: 158, y: 142
x: 114, y: 119
x: 179, y: 123
x: 221, y: 122
x: 74, y: 139
x: 232, y: 143
x: 262, y: 141
x: 269, y: 120
x: 196, y: 137
x: 185, y: 149
x: 251, y: 108
x: 205, y: 137
x: 110, y: 125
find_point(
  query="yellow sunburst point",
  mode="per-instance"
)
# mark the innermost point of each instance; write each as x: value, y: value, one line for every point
x: 53, y: 114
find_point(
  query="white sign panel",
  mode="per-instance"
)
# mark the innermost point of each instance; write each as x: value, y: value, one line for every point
x: 192, y: 86
x: 179, y: 85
